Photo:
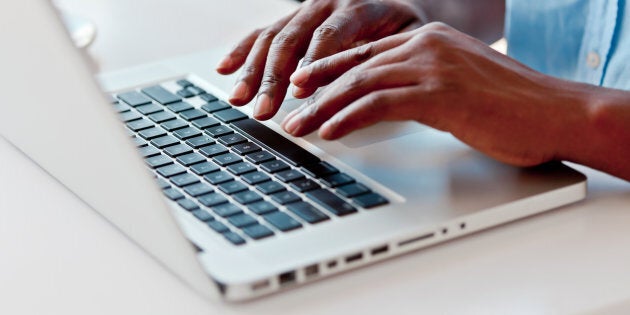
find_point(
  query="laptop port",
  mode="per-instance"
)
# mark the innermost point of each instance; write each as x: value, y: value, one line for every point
x: 287, y: 278
x: 260, y: 285
x: 379, y: 250
x: 311, y: 271
x: 332, y: 264
x: 353, y: 258
x: 416, y: 239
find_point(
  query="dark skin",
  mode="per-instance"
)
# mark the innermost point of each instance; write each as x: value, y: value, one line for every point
x: 435, y: 74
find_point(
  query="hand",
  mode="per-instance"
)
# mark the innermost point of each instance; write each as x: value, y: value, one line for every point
x: 316, y: 30
x: 445, y: 79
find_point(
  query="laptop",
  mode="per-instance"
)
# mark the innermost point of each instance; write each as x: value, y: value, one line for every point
x: 234, y: 207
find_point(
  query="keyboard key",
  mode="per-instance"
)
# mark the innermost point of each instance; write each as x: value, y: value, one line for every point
x: 184, y: 83
x: 198, y: 189
x: 187, y: 133
x: 219, y: 131
x: 274, y: 142
x: 152, y: 133
x: 245, y: 148
x: 234, y: 238
x: 370, y: 200
x: 130, y: 116
x: 205, y: 122
x: 163, y: 142
x: 260, y: 157
x: 195, y: 90
x: 212, y: 199
x: 255, y: 178
x: 188, y: 204
x: 304, y: 185
x: 191, y: 114
x: 307, y: 212
x: 285, y: 197
x: 229, y: 115
x: 241, y: 168
x: 231, y: 139
x: 213, y: 150
x: 163, y: 183
x: 149, y: 109
x: 320, y: 169
x: 185, y: 93
x: 190, y: 159
x: 158, y: 160
x: 226, y: 159
x: 202, y: 215
x: 134, y: 98
x: 336, y: 180
x: 121, y: 107
x: 257, y: 231
x: 262, y: 207
x: 218, y: 226
x: 171, y: 170
x: 149, y: 151
x: 247, y: 197
x: 161, y: 95
x: 139, y: 142
x: 269, y: 188
x: 138, y: 125
x: 217, y: 178
x: 242, y: 220
x: 352, y: 190
x: 274, y: 166
x: 179, y: 107
x: 161, y: 117
x: 232, y: 187
x: 282, y: 221
x: 174, y: 124
x: 184, y: 179
x: 227, y: 209
x: 289, y: 175
x: 201, y: 141
x: 173, y: 194
x: 331, y: 202
x: 204, y: 168
x: 177, y: 150
x: 215, y: 106
x: 208, y: 97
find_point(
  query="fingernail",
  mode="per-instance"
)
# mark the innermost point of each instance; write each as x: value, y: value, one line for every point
x: 292, y: 124
x: 299, y: 92
x: 240, y: 91
x: 263, y: 106
x: 225, y: 63
x: 300, y: 76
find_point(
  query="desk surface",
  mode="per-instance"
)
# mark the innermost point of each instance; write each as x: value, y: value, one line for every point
x: 59, y: 257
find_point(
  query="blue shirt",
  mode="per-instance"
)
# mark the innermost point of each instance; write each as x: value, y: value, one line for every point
x: 580, y: 40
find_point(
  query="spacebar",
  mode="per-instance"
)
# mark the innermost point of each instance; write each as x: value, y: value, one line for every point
x: 274, y: 142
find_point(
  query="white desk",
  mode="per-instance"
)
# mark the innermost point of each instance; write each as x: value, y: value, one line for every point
x: 59, y: 257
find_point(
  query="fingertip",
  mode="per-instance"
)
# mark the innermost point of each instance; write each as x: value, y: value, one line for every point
x: 225, y: 65
x: 300, y: 76
x: 263, y: 109
x: 239, y: 94
x: 299, y: 92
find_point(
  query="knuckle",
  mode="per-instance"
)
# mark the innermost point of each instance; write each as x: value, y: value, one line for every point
x: 270, y: 78
x: 327, y: 32
x: 267, y: 35
x: 363, y: 52
x: 438, y: 27
x: 355, y: 80
x: 285, y: 39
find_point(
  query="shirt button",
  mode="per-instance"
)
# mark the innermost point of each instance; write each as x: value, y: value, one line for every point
x: 593, y: 60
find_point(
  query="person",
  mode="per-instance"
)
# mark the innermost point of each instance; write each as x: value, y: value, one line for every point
x: 560, y: 94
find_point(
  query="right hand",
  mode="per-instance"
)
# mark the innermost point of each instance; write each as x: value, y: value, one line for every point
x: 318, y: 29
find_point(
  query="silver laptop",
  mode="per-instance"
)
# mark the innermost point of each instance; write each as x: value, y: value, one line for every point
x: 230, y: 205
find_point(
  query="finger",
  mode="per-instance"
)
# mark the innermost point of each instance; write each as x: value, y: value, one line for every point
x: 352, y: 86
x: 236, y: 57
x: 334, y: 35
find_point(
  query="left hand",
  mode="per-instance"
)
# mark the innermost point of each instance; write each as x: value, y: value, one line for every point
x: 445, y: 79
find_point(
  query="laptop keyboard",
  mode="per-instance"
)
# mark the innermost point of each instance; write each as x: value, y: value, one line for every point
x: 236, y: 175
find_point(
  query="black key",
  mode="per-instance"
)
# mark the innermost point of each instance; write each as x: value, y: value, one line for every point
x: 289, y: 175
x: 304, y: 185
x: 195, y: 90
x: 130, y: 116
x: 269, y: 188
x: 187, y: 133
x: 179, y: 107
x: 139, y: 142
x: 231, y: 139
x: 184, y: 179
x: 260, y: 157
x: 219, y: 131
x: 352, y: 190
x: 241, y: 168
x: 171, y: 170
x: 138, y: 125
x: 152, y: 133
x: 336, y: 180
x: 190, y: 159
x: 208, y: 97
x: 185, y: 93
x: 274, y: 166
x: 282, y: 221
x: 320, y: 169
x: 216, y: 178
x: 275, y: 143
x: 163, y: 183
x: 226, y: 210
x: 191, y: 114
x: 242, y: 220
x: 226, y: 159
x: 232, y: 187
x: 201, y: 141
x: 149, y: 151
x: 149, y: 109
x: 255, y: 178
x: 262, y: 207
x: 213, y: 150
x: 205, y: 122
x: 188, y: 204
x: 247, y: 197
x: 177, y: 150
x: 212, y: 199
x: 245, y: 148
x: 184, y: 83
x: 161, y: 95
x: 203, y: 215
x: 331, y: 202
x: 134, y: 98
x: 174, y: 124
x: 214, y: 106
x: 161, y: 117
x: 285, y: 197
x: 121, y: 107
x: 163, y: 142
x: 307, y: 212
x: 158, y: 160
x: 257, y: 231
x: 370, y: 200
x: 229, y: 115
x: 234, y: 238
x: 198, y: 189
x: 204, y: 168
x: 173, y: 194
x: 218, y: 226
